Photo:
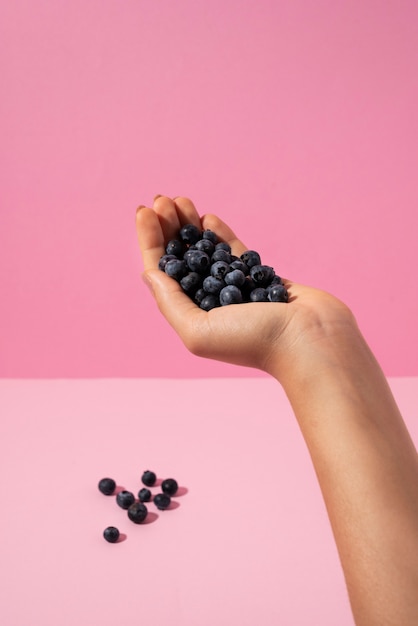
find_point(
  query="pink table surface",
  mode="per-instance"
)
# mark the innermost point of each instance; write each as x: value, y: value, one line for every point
x: 247, y: 541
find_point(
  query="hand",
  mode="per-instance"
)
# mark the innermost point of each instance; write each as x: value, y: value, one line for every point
x: 267, y: 336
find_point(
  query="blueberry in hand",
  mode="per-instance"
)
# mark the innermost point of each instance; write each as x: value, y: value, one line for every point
x: 190, y: 234
x: 169, y: 486
x: 250, y: 258
x: 175, y: 247
x: 259, y: 294
x: 278, y: 293
x: 137, y: 512
x: 210, y: 301
x: 176, y: 268
x: 107, y: 486
x: 162, y: 501
x: 149, y: 478
x: 125, y: 499
x: 235, y: 277
x: 111, y: 534
x: 230, y: 295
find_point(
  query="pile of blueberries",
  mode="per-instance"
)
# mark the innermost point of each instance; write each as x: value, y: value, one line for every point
x: 212, y: 276
x: 136, y: 509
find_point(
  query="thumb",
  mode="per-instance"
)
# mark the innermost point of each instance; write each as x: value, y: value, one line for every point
x: 172, y: 302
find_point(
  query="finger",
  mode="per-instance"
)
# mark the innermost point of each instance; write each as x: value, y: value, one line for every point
x: 187, y: 212
x: 214, y: 223
x: 150, y: 237
x: 167, y: 214
x: 179, y: 310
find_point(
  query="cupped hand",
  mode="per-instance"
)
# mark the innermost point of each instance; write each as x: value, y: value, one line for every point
x: 263, y: 335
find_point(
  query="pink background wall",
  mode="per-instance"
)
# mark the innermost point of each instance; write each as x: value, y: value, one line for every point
x: 295, y: 120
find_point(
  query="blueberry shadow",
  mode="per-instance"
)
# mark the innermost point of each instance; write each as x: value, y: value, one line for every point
x: 173, y: 505
x: 181, y: 491
x: 118, y: 489
x: 122, y: 537
x: 150, y: 518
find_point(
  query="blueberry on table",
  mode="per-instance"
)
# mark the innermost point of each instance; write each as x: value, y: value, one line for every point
x: 144, y: 495
x: 137, y: 512
x: 169, y: 486
x: 149, y: 478
x: 162, y: 501
x: 125, y: 499
x: 111, y: 534
x: 107, y: 486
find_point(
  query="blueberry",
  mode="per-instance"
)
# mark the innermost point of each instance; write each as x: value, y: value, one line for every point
x: 211, y: 301
x: 111, y: 534
x: 125, y: 499
x: 213, y: 285
x: 222, y: 245
x: 259, y: 294
x: 199, y: 295
x: 164, y: 260
x: 149, y: 478
x: 190, y: 234
x: 230, y: 295
x: 221, y: 255
x: 240, y: 265
x: 176, y: 247
x: 206, y: 245
x: 209, y: 234
x: 144, y: 495
x: 191, y: 282
x: 219, y: 269
x: 278, y: 293
x: 197, y: 261
x: 236, y: 277
x: 261, y: 274
x: 137, y: 512
x: 176, y: 268
x: 162, y: 501
x: 169, y: 486
x: 107, y: 486
x: 250, y: 258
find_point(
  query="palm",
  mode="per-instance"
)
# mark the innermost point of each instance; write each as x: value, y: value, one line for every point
x: 247, y: 334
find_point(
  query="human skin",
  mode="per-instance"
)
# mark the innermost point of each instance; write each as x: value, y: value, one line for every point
x: 363, y: 456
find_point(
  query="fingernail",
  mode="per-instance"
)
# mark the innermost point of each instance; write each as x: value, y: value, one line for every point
x: 147, y: 280
x: 157, y: 196
x: 141, y: 206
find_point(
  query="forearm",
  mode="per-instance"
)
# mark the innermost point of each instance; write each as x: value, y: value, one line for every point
x: 367, y: 469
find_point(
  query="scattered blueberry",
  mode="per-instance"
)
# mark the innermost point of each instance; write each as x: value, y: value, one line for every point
x: 107, y: 486
x: 149, y: 478
x: 137, y: 512
x: 111, y: 534
x: 144, y: 495
x: 169, y: 486
x: 162, y: 501
x: 125, y: 499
